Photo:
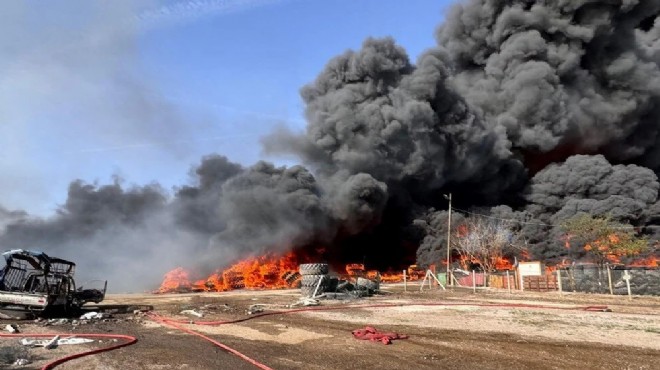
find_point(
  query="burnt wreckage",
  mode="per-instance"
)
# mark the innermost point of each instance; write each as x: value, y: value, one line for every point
x: 33, y: 283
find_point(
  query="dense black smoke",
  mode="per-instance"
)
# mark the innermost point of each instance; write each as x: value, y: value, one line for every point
x: 564, y: 78
x: 582, y: 74
x: 268, y: 206
x: 527, y: 111
x: 371, y: 112
x: 196, y: 206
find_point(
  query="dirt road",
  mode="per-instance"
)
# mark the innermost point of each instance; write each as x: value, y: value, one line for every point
x: 460, y: 335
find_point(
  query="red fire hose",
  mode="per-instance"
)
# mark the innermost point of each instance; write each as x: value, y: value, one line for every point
x: 223, y: 346
x: 129, y: 340
x: 174, y: 323
x: 386, y: 305
x: 51, y: 365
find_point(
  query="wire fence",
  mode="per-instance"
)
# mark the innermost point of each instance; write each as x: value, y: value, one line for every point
x: 579, y: 278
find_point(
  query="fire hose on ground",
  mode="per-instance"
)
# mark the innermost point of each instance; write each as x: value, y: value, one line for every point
x: 128, y: 340
x: 175, y: 323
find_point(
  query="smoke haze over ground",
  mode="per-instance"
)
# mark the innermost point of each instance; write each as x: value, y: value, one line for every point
x: 530, y: 111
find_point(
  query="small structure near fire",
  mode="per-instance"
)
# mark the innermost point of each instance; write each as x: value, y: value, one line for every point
x: 33, y: 283
x: 415, y: 272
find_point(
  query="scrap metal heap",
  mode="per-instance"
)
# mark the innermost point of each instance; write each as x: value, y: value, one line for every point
x: 33, y: 283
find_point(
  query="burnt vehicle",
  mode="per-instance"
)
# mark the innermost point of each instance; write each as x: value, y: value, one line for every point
x: 34, y: 284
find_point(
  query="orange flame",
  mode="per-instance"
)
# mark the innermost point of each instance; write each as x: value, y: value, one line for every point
x: 603, y: 246
x: 265, y: 272
x: 606, y: 248
x: 354, y: 269
x: 175, y: 280
x: 502, y: 263
x: 564, y: 263
x: 357, y: 269
x: 524, y: 254
x: 462, y: 231
x: 567, y: 240
x: 646, y: 262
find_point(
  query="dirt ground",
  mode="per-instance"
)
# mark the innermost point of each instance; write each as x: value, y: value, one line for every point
x: 464, y: 334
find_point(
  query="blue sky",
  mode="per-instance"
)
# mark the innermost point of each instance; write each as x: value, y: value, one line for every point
x: 143, y: 90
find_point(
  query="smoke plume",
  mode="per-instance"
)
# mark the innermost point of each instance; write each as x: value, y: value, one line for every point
x: 526, y: 111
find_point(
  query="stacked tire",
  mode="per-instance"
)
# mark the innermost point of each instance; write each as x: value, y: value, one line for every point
x: 234, y: 279
x: 311, y: 275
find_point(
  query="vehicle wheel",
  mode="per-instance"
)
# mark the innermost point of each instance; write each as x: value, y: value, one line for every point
x: 313, y: 269
x: 366, y: 283
x: 313, y: 280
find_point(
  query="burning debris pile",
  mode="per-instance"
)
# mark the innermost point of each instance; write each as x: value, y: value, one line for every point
x: 318, y: 283
x: 266, y: 272
x: 271, y: 272
x: 529, y: 112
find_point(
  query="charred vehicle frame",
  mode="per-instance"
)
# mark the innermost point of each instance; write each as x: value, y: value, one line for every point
x: 33, y: 283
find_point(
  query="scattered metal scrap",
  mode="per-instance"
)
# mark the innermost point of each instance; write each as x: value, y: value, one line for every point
x: 54, y: 342
x: 192, y: 312
x: 32, y: 283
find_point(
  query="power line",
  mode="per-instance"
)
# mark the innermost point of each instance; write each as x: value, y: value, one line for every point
x: 535, y: 223
x: 501, y: 219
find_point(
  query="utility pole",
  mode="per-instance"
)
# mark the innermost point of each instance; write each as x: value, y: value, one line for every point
x: 448, y: 282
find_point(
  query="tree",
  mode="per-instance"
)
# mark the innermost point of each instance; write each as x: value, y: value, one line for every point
x: 602, y: 238
x: 484, y: 241
x: 433, y: 227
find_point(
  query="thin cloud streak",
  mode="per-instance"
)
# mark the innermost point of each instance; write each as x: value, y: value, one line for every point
x: 163, y: 143
x: 193, y: 9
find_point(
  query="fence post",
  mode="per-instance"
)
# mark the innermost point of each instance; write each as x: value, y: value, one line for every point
x: 432, y: 269
x: 474, y: 282
x: 609, y: 279
x: 508, y: 281
x: 559, y: 280
x: 405, y: 281
x: 626, y: 277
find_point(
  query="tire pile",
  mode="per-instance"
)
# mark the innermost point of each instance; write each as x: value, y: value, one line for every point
x: 315, y: 275
x: 234, y: 279
x: 311, y: 275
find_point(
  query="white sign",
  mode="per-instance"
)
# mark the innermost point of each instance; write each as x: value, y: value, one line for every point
x: 528, y: 269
